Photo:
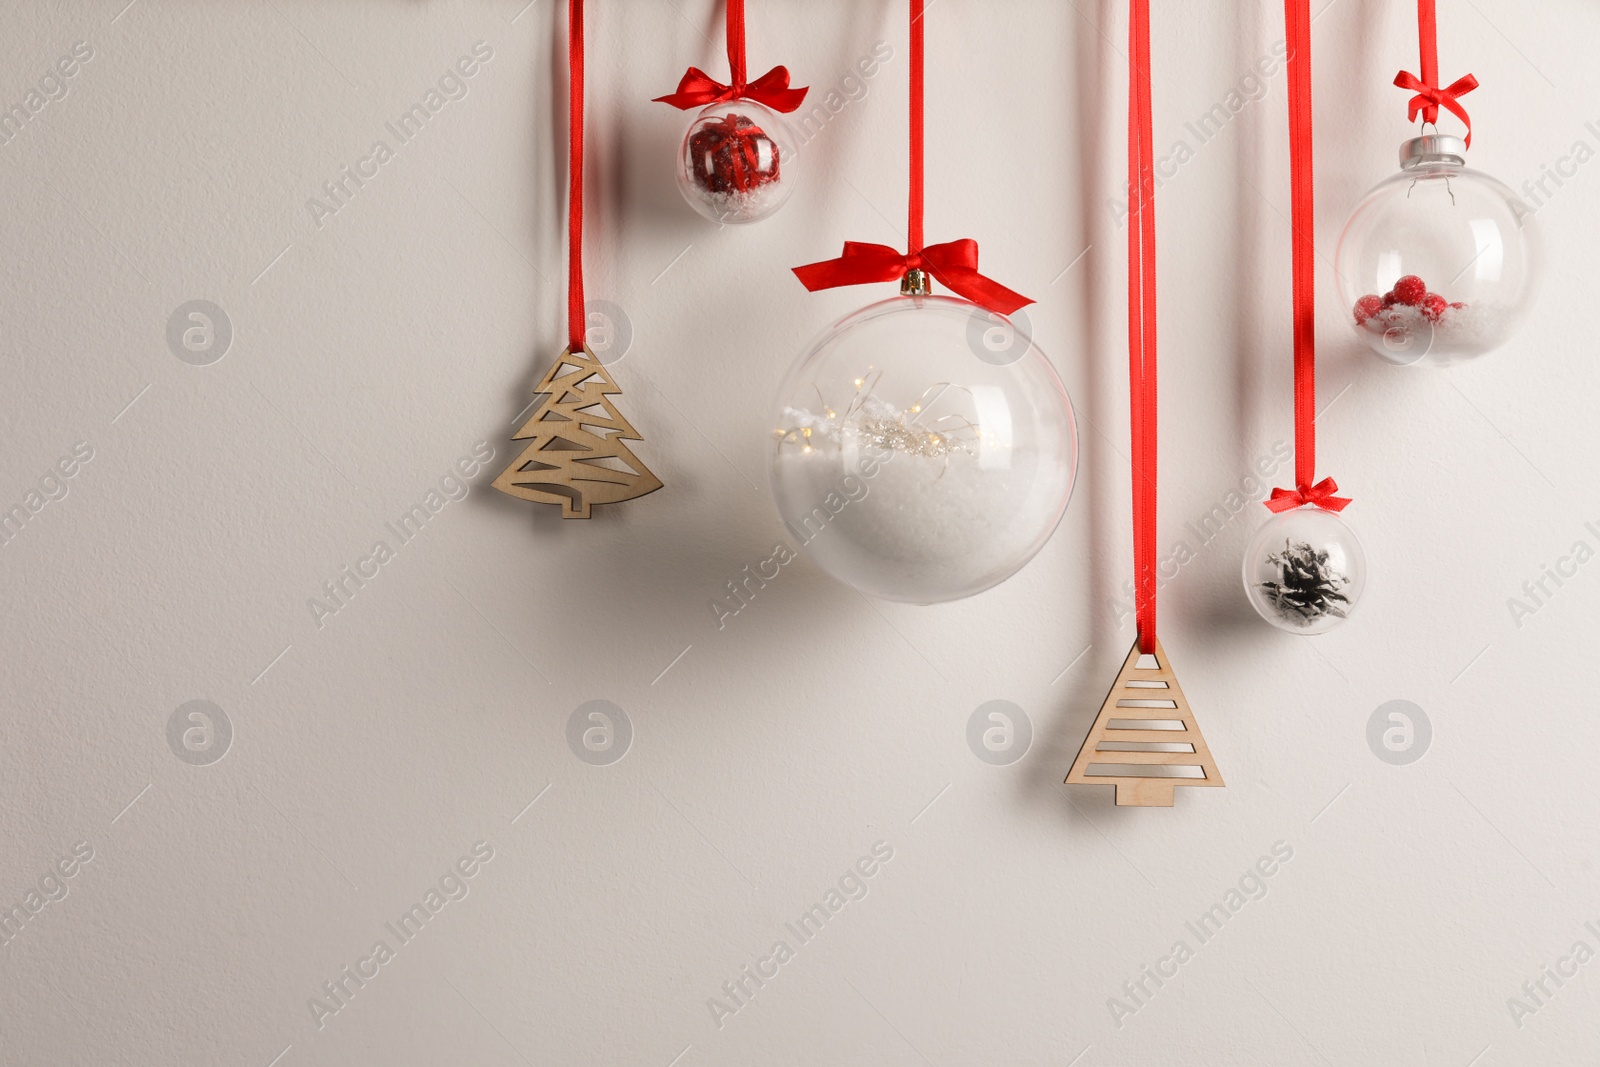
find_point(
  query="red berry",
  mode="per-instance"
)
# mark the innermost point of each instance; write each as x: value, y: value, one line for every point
x: 1433, y: 306
x: 1367, y: 307
x: 1410, y: 290
x: 1388, y: 300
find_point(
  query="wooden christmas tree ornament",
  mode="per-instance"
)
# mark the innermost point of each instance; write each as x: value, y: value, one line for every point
x: 575, y: 454
x: 1145, y: 740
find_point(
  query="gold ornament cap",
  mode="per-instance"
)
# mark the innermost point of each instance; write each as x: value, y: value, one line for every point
x: 916, y: 283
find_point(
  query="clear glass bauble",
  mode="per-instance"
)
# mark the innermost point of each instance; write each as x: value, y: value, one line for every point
x: 737, y: 163
x: 923, y: 449
x: 1305, y: 571
x: 1438, y: 263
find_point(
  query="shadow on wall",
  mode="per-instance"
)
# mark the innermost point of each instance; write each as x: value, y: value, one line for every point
x: 1100, y: 335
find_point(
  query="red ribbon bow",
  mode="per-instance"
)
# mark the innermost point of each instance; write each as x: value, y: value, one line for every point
x: 1321, y: 494
x: 954, y: 263
x: 1430, y: 99
x: 697, y: 89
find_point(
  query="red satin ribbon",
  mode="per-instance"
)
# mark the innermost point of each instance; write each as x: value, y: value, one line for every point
x: 1321, y: 494
x: 954, y: 263
x: 698, y: 89
x: 577, y: 320
x: 1142, y: 393
x: 1297, y: 18
x: 1430, y: 98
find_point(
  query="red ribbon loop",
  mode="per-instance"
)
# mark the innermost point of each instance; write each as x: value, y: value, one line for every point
x: 697, y: 89
x: 1430, y: 99
x: 1320, y: 495
x: 954, y: 263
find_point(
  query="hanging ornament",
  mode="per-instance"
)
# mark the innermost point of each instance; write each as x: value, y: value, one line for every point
x: 575, y: 456
x: 737, y: 162
x: 1437, y: 263
x: 923, y: 448
x: 1304, y: 571
x: 1145, y: 741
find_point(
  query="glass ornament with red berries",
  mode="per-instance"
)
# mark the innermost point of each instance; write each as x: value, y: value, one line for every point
x: 1437, y: 263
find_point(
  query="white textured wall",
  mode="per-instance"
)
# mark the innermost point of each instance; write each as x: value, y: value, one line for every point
x: 372, y: 752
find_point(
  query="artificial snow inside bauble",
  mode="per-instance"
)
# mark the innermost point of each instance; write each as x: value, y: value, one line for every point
x: 923, y: 449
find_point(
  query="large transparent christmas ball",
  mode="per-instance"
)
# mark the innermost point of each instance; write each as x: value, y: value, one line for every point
x: 923, y: 449
x: 737, y: 163
x: 1438, y: 263
x: 1305, y: 571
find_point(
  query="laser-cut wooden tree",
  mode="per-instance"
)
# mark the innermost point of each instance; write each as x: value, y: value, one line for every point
x: 1145, y: 735
x: 1145, y: 695
x: 575, y: 455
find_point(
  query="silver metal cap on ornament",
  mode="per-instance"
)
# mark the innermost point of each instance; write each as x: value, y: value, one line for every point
x: 1432, y: 148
